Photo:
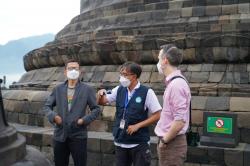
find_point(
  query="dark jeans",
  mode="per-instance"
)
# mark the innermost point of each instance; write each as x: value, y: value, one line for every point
x: 74, y: 146
x: 139, y: 155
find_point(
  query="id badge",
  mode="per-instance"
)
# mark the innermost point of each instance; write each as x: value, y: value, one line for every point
x: 122, y: 124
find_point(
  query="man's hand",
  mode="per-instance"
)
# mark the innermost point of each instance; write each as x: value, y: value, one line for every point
x: 80, y: 122
x: 58, y: 120
x: 132, y: 129
x: 101, y: 97
x: 101, y: 92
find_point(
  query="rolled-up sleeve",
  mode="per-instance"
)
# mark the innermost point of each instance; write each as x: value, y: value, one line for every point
x: 180, y: 101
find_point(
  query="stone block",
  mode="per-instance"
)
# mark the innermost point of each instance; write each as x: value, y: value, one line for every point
x: 215, y: 28
x: 48, y: 152
x: 47, y: 139
x: 232, y: 77
x: 217, y: 103
x: 243, y: 119
x: 239, y: 104
x: 234, y: 19
x: 98, y: 76
x: 195, y: 67
x: 197, y: 117
x: 216, y: 76
x: 98, y: 125
x: 219, y: 67
x: 156, y: 77
x: 107, y: 146
x: 23, y: 118
x: 189, y: 54
x: 197, y: 155
x: 86, y: 77
x: 174, y: 13
x: 186, y: 12
x: 213, y: 10
x: 108, y: 160
x: 199, y: 102
x: 108, y: 113
x: 199, y: 77
x: 145, y: 77
x: 240, y: 68
x: 216, y: 155
x: 94, y: 159
x: 246, y: 155
x: 187, y: 75
x: 12, y: 117
x: 111, y: 77
x: 248, y: 67
x: 203, y: 27
x: 243, y: 8
x: 187, y: 3
x: 212, y: 2
x: 244, y: 18
x: 233, y: 157
x: 245, y: 135
x: 198, y: 11
x: 228, y: 27
x: 207, y: 67
x: 229, y: 9
x: 192, y: 27
x: 244, y: 78
x: 175, y: 4
x: 94, y: 145
x: 160, y: 6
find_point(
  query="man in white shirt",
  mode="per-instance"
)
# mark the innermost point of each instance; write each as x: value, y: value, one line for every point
x: 137, y: 107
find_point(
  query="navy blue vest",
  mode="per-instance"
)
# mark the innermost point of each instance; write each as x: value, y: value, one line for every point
x: 135, y: 113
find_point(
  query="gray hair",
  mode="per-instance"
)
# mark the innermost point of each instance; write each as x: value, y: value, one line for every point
x: 172, y: 53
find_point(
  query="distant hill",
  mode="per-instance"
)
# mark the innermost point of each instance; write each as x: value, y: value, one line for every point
x: 12, y: 53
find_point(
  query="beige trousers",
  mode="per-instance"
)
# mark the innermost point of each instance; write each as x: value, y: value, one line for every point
x: 174, y: 153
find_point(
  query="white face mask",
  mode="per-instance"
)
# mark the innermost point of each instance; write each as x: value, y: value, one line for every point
x: 73, y: 74
x: 124, y: 81
x: 159, y: 68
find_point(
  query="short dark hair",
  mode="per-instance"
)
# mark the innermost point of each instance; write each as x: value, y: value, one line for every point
x: 173, y: 54
x: 70, y: 61
x: 132, y: 67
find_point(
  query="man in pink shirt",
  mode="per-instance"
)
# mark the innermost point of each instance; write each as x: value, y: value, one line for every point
x: 174, y: 120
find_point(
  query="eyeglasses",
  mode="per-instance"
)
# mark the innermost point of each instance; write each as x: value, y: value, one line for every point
x: 73, y: 68
x: 126, y: 74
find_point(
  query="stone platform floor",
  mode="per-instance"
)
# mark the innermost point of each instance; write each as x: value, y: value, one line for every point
x: 101, y: 149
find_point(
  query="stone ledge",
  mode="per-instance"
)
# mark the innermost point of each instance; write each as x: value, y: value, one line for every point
x: 101, y: 143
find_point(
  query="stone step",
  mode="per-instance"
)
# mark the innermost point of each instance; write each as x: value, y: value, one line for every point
x: 13, y: 152
x: 101, y: 148
x: 134, y: 7
x: 232, y: 78
x: 8, y: 136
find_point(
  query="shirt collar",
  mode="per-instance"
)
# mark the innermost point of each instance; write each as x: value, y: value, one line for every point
x: 136, y: 87
x: 169, y: 77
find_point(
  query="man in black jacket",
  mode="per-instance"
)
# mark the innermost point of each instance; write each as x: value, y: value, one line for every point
x: 70, y: 120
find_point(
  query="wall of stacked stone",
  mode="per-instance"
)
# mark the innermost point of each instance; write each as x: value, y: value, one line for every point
x: 214, y: 87
x: 208, y: 32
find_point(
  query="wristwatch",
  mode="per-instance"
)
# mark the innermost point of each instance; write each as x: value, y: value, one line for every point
x: 162, y: 140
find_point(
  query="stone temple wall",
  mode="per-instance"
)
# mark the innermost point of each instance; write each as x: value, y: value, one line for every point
x: 214, y: 38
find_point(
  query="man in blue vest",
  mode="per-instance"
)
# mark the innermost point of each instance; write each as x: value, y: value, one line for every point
x: 137, y: 107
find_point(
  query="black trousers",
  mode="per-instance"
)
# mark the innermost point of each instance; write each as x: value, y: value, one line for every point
x: 74, y: 146
x: 138, y: 156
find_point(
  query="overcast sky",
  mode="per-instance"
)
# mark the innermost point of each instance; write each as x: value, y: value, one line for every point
x: 24, y: 18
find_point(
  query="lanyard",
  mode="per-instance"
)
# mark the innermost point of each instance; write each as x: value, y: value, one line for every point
x: 126, y: 103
